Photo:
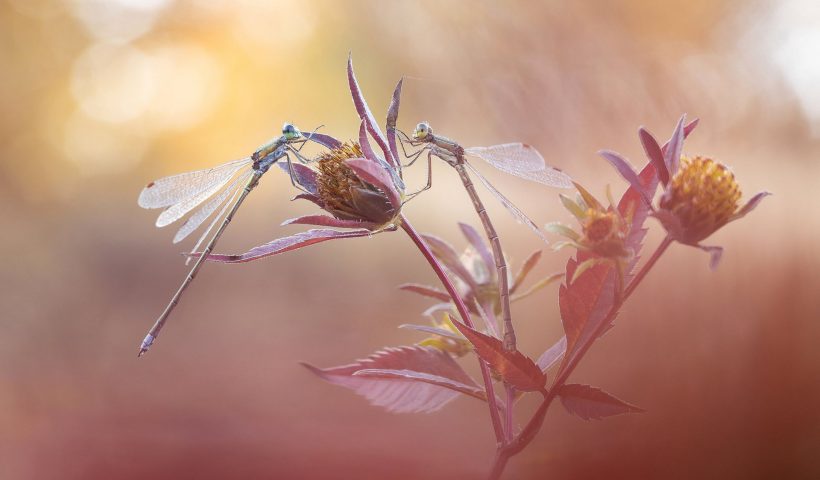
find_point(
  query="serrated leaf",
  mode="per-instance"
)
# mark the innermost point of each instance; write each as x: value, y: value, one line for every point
x: 387, y: 374
x: 513, y: 367
x: 592, y: 403
x: 402, y: 395
x: 631, y: 206
x: 585, y: 303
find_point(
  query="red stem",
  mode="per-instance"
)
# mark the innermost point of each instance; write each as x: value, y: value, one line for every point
x: 534, y: 425
x: 465, y: 315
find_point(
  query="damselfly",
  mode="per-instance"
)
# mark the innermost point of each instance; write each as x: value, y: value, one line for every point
x: 224, y: 186
x: 518, y: 159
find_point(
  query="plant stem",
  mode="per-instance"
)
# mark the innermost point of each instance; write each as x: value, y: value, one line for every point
x: 465, y: 315
x: 534, y: 425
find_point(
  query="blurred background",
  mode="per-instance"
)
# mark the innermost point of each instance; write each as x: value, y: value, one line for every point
x: 100, y: 97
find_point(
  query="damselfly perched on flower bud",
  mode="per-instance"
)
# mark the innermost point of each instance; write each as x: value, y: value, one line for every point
x: 224, y: 186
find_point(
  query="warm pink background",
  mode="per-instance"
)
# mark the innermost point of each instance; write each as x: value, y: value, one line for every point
x: 98, y: 100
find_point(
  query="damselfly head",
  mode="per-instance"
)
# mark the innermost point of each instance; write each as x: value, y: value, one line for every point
x: 290, y: 132
x: 422, y: 131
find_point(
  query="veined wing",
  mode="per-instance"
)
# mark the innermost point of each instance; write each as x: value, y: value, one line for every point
x: 214, y: 222
x: 515, y: 211
x: 195, y: 220
x: 171, y: 190
x: 523, y: 161
x: 178, y: 210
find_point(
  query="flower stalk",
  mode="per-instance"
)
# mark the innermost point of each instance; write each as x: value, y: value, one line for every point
x: 465, y: 315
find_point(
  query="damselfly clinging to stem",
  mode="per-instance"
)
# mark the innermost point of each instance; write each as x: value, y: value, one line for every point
x: 518, y: 159
x: 214, y: 188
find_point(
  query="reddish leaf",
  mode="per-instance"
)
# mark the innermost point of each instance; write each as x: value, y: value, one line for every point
x: 285, y: 244
x: 513, y: 367
x: 404, y: 394
x: 426, y: 291
x: 585, y: 304
x: 328, y: 221
x: 592, y: 403
x: 632, y: 204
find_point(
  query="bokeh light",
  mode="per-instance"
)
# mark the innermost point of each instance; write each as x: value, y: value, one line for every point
x: 101, y: 97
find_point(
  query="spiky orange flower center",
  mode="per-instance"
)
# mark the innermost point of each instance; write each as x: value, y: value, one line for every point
x: 600, y: 226
x: 703, y: 194
x: 336, y: 180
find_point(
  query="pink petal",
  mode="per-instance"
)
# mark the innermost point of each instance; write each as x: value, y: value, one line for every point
x: 626, y: 171
x: 324, y: 140
x: 311, y: 198
x: 364, y: 112
x: 285, y: 244
x: 426, y: 291
x: 715, y: 254
x: 376, y: 175
x: 674, y: 147
x: 303, y: 175
x: 328, y: 221
x: 480, y: 247
x: 654, y: 153
x: 750, y: 205
x: 367, y: 150
x: 392, y: 118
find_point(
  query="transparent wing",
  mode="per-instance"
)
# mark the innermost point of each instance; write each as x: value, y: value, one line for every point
x: 178, y: 210
x: 523, y: 161
x: 195, y: 220
x: 171, y: 190
x: 214, y: 222
x: 515, y: 211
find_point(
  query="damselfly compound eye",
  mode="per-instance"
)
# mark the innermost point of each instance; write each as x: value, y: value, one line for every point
x: 422, y: 130
x: 290, y: 132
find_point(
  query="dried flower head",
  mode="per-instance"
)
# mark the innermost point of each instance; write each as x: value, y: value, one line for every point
x: 703, y: 195
x: 603, y: 233
x: 346, y: 194
x: 699, y: 195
